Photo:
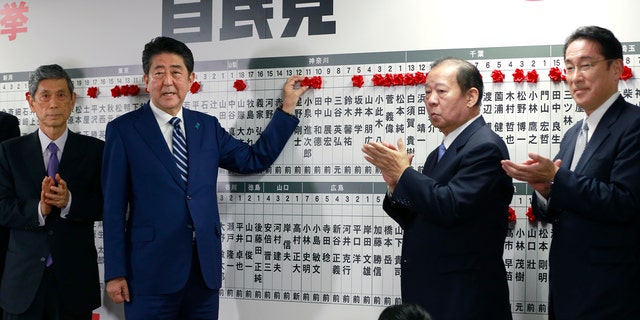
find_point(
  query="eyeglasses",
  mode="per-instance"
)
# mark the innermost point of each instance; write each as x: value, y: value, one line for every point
x: 584, y: 67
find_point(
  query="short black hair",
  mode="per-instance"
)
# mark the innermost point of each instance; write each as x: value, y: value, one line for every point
x: 160, y: 45
x: 405, y: 311
x: 610, y: 47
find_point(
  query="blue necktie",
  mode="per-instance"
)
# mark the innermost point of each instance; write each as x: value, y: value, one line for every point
x: 52, y: 169
x: 441, y: 150
x: 179, y: 148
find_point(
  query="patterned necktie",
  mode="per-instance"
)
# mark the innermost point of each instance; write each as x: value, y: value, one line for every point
x: 52, y: 169
x: 179, y: 148
x: 581, y: 143
x: 441, y: 151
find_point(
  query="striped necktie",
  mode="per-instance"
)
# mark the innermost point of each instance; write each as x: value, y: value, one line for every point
x: 179, y: 148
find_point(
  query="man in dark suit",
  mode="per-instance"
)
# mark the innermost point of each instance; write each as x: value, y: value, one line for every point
x: 590, y: 192
x: 453, y: 213
x: 9, y: 128
x: 161, y: 224
x: 51, y: 269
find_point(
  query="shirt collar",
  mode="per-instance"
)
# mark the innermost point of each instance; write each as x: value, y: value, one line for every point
x: 163, y: 117
x: 594, y: 118
x: 448, y: 139
x: 60, y: 142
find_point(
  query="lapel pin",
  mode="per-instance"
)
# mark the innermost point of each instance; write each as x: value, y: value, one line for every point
x: 197, y: 125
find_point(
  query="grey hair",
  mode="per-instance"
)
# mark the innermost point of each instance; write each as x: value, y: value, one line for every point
x: 51, y: 71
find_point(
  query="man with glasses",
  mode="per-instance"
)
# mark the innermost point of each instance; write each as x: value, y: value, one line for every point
x: 50, y: 197
x: 590, y: 191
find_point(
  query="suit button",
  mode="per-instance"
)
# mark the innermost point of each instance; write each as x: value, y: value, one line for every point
x: 50, y: 232
x: 188, y: 197
x: 43, y: 259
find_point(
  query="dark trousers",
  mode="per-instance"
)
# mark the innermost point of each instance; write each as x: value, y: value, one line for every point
x: 194, y: 302
x: 46, y: 304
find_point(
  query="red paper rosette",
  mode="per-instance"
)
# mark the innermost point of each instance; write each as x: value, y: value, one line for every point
x: 421, y: 78
x: 124, y: 90
x: 627, y: 73
x: 357, y: 80
x: 377, y: 80
x: 556, y: 75
x: 133, y: 90
x: 518, y: 75
x: 512, y: 215
x: 313, y: 82
x: 532, y: 76
x: 240, y: 85
x: 115, y: 92
x: 398, y: 79
x: 530, y: 216
x: 92, y: 92
x: 195, y: 87
x: 497, y: 76
x: 387, y: 80
x: 409, y: 79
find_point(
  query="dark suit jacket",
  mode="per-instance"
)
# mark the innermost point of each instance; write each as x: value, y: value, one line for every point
x: 9, y: 128
x: 70, y: 240
x: 454, y: 219
x: 152, y: 248
x: 595, y: 252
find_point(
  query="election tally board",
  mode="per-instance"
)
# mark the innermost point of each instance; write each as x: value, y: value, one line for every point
x: 311, y: 228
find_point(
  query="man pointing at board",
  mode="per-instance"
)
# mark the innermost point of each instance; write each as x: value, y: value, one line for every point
x: 162, y: 230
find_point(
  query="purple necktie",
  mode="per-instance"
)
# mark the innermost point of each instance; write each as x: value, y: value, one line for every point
x: 52, y: 169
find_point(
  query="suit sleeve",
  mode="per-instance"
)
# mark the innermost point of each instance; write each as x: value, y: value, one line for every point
x: 115, y: 186
x: 451, y: 202
x: 15, y: 212
x: 240, y: 157
x: 10, y: 127
x: 87, y: 202
x: 609, y: 189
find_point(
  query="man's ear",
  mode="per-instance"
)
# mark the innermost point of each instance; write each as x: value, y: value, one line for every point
x: 472, y: 97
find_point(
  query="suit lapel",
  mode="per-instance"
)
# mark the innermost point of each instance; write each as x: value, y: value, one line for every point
x: 148, y: 130
x: 71, y: 152
x: 28, y: 153
x: 192, y: 127
x: 601, y: 133
x: 462, y: 139
x: 431, y: 162
x: 453, y: 150
x: 567, y: 154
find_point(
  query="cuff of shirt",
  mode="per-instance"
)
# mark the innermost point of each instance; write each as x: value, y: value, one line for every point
x: 543, y: 203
